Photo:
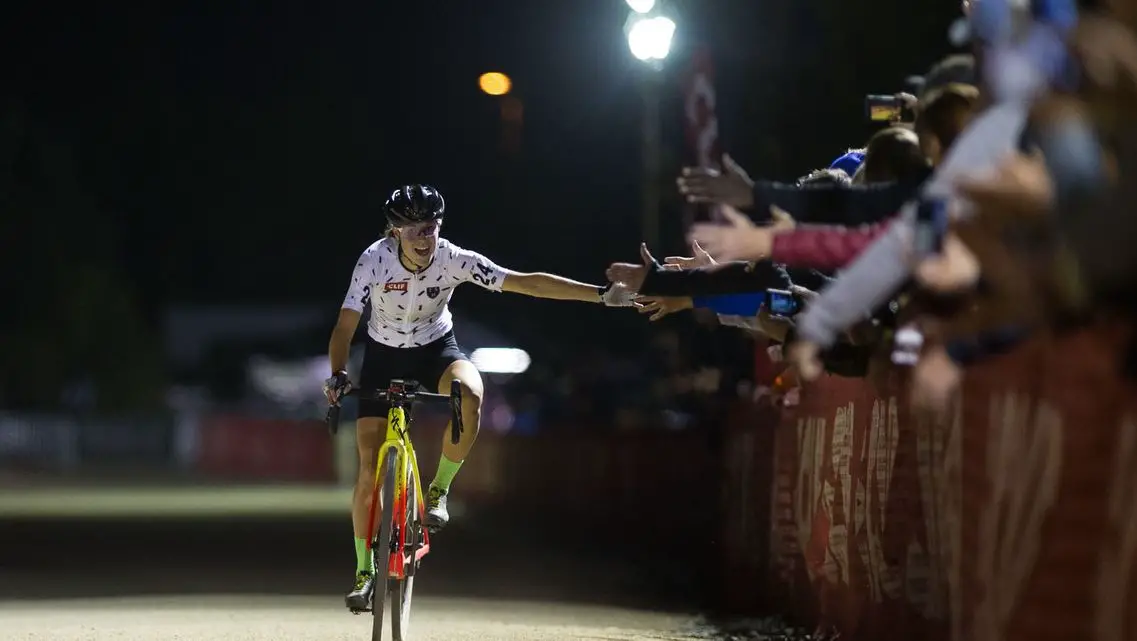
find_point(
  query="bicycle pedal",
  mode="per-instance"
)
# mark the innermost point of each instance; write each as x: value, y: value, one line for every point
x: 358, y: 612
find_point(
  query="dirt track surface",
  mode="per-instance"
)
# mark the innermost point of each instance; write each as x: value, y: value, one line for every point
x: 281, y: 577
x: 233, y: 618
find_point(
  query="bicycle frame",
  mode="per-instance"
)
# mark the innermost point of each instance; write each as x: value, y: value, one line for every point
x: 397, y: 450
x: 398, y: 443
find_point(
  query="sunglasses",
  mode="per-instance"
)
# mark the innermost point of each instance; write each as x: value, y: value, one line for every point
x: 420, y: 230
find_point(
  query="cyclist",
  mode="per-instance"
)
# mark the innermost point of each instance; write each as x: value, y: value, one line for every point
x: 408, y: 277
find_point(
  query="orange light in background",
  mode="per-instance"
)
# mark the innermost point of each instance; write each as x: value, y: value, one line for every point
x: 494, y: 83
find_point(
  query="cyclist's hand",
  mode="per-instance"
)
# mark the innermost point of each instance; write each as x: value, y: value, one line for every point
x: 660, y: 306
x: 618, y: 295
x: 336, y: 386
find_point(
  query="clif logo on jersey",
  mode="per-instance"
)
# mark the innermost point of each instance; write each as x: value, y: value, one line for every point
x: 400, y: 286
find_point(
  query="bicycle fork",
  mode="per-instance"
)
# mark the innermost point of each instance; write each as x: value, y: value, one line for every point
x: 392, y: 454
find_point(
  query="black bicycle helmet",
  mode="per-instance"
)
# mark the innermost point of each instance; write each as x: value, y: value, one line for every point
x: 411, y: 204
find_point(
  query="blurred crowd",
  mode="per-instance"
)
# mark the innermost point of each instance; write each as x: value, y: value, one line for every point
x: 989, y: 208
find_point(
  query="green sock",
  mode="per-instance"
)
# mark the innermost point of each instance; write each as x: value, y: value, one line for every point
x: 363, y: 560
x: 447, y: 470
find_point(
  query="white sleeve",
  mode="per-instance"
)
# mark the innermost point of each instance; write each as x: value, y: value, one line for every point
x: 465, y: 266
x: 359, y: 291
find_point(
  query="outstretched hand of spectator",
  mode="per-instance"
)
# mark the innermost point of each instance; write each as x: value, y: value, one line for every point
x: 630, y: 274
x: 935, y: 380
x: 804, y: 293
x: 731, y: 186
x: 955, y: 269
x: 805, y: 358
x: 700, y: 259
x: 782, y: 220
x: 660, y: 306
x: 1020, y: 183
x: 740, y: 238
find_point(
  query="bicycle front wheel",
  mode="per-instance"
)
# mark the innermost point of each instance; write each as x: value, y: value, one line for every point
x: 401, y: 590
x: 381, y: 547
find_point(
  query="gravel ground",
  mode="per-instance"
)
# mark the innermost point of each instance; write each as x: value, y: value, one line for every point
x: 248, y: 564
x: 244, y: 618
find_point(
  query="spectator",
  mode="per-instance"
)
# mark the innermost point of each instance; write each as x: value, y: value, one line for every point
x: 894, y: 155
x: 882, y: 269
x: 940, y: 118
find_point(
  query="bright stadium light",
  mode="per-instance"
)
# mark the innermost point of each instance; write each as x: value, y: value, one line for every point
x: 500, y: 360
x: 650, y: 38
x: 494, y: 83
x: 641, y: 6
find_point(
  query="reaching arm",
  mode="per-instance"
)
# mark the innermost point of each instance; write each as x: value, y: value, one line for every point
x: 823, y: 247
x: 542, y: 285
x: 862, y: 288
x: 723, y: 278
x: 472, y: 267
x: 825, y: 204
x: 732, y: 304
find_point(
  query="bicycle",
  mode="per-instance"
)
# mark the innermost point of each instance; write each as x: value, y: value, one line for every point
x: 400, y: 542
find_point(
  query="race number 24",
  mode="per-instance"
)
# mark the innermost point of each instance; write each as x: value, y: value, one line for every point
x: 483, y: 278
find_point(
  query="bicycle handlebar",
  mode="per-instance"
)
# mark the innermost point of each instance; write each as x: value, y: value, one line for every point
x: 400, y: 393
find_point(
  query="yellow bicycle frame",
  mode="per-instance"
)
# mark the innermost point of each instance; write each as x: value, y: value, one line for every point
x: 398, y: 440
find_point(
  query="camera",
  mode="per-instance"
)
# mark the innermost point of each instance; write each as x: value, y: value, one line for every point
x: 885, y: 108
x: 780, y: 302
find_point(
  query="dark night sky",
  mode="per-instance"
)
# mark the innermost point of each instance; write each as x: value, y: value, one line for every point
x: 239, y: 150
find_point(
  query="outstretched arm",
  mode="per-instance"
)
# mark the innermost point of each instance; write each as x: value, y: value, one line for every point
x: 542, y: 285
x: 722, y: 278
x: 468, y: 266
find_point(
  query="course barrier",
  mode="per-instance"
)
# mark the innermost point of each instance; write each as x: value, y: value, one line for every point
x: 1015, y: 517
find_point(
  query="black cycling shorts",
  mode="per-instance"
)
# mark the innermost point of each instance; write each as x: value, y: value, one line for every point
x: 424, y: 364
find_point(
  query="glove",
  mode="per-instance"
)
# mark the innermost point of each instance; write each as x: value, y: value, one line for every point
x: 336, y: 386
x: 617, y: 295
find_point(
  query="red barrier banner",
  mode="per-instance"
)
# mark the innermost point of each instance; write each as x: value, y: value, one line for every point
x: 1049, y: 494
x: 1011, y: 519
x: 237, y: 447
x: 855, y: 542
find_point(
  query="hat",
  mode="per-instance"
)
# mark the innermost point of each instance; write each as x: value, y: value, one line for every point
x: 849, y: 162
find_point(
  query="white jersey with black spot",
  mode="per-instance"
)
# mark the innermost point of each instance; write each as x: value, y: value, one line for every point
x: 409, y: 309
